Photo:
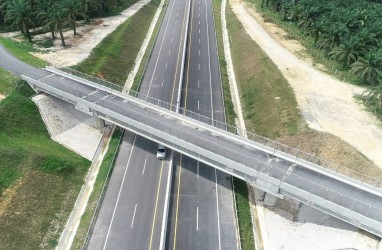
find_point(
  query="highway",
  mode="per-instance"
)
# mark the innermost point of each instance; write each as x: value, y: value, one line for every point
x: 131, y: 215
x: 201, y: 208
x: 261, y: 165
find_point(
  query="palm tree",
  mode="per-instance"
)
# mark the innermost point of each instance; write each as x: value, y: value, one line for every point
x: 55, y: 17
x: 73, y: 9
x: 43, y: 8
x: 369, y: 67
x: 19, y: 14
x: 347, y: 52
x: 315, y: 30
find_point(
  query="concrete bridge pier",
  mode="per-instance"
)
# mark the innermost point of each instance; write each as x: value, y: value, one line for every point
x: 99, y: 123
x: 270, y: 200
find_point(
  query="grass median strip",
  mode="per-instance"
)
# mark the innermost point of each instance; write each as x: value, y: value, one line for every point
x: 114, y: 57
x: 98, y: 188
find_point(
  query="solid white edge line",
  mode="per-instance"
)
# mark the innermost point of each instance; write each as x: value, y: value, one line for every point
x: 119, y: 193
x: 132, y: 221
x: 197, y: 218
x: 217, y: 207
x: 166, y: 205
x: 160, y: 48
x: 144, y: 167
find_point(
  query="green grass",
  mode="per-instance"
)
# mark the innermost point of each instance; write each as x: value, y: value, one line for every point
x: 39, y: 178
x: 269, y: 105
x: 102, y: 177
x: 22, y: 51
x: 244, y: 215
x: 115, y: 56
x: 116, y: 10
x: 228, y: 104
x: 7, y: 81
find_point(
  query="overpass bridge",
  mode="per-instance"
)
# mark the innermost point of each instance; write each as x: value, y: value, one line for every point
x: 272, y: 167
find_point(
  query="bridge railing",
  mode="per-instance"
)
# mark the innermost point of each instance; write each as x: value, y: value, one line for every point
x: 307, y: 185
x: 375, y: 181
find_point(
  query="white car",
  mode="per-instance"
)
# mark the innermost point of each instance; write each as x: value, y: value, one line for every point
x: 161, y: 152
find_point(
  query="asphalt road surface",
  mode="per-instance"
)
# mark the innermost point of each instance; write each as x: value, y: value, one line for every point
x: 131, y: 215
x: 201, y: 209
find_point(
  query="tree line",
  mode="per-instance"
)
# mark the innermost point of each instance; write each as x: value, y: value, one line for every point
x: 51, y: 15
x: 347, y: 31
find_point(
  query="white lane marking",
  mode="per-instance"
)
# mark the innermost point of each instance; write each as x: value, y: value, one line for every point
x: 169, y: 51
x: 199, y: 22
x: 173, y: 30
x: 197, y: 218
x: 209, y: 70
x: 144, y: 167
x: 198, y: 83
x: 199, y: 40
x: 198, y: 104
x: 160, y: 49
x: 199, y: 31
x: 177, y: 14
x: 166, y: 65
x: 132, y: 221
x: 217, y: 208
x: 172, y: 39
x: 212, y: 116
x: 119, y: 194
x: 199, y: 52
x: 197, y: 165
x: 162, y: 82
x: 199, y: 68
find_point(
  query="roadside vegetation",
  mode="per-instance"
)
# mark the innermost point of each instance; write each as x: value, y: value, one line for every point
x: 39, y: 178
x: 346, y: 34
x: 100, y: 184
x: 33, y: 17
x: 114, y: 57
x: 270, y: 109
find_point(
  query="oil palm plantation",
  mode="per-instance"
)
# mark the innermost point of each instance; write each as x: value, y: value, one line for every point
x: 19, y: 15
x: 56, y: 17
x: 73, y: 9
x: 369, y: 67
